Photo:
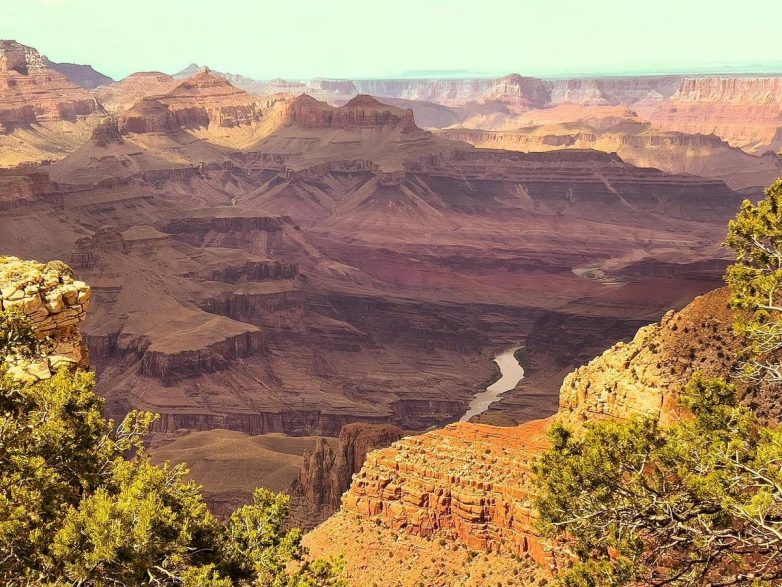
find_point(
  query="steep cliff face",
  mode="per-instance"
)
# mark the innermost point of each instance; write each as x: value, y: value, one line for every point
x: 21, y: 188
x: 360, y: 112
x: 745, y: 111
x: 464, y: 482
x: 55, y: 303
x: 327, y: 473
x: 612, y: 90
x: 636, y: 142
x: 30, y: 92
x: 204, y: 100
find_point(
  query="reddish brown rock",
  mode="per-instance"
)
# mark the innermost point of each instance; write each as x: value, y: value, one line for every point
x: 204, y: 100
x: 744, y: 111
x: 466, y: 482
x: 361, y: 112
x: 326, y: 474
x: 30, y: 92
x: 471, y: 483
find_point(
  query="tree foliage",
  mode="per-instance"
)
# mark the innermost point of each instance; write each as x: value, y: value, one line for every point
x: 81, y: 503
x: 698, y: 503
x: 755, y: 281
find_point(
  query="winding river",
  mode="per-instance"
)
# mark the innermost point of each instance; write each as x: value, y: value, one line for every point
x: 511, y: 373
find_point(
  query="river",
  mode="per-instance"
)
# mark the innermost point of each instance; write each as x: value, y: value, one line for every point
x: 511, y: 373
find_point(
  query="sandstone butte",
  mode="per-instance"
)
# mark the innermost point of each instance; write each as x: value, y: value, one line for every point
x: 469, y: 484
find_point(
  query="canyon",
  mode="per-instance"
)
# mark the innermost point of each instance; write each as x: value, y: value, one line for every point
x: 472, y: 485
x: 303, y: 276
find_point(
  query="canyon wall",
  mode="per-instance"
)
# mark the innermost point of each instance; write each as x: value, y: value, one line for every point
x: 30, y: 92
x: 744, y: 111
x: 471, y: 483
x: 327, y: 473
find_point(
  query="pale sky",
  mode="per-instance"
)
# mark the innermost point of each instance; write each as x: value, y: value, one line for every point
x: 366, y: 38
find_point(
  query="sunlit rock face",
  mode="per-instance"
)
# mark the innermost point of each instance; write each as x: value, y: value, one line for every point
x: 55, y: 304
x: 744, y: 111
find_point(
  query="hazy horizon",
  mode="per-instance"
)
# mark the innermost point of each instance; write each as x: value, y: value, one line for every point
x: 530, y: 37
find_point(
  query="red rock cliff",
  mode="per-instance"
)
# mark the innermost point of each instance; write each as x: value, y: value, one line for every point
x: 30, y: 92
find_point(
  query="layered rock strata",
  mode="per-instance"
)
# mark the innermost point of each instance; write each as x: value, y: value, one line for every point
x: 55, y: 304
x: 744, y: 111
x: 30, y: 92
x: 201, y: 101
x: 471, y: 482
x: 327, y: 473
x: 466, y: 482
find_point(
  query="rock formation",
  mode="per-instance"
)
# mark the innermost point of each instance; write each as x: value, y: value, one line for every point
x: 327, y: 473
x: 204, y: 100
x: 55, y: 303
x: 645, y: 376
x: 31, y: 92
x: 635, y: 141
x: 744, y: 111
x: 471, y: 483
x: 464, y: 482
x: 361, y: 112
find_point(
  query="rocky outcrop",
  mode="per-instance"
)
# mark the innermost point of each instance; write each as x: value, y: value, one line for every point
x: 270, y: 270
x: 55, y: 303
x: 20, y: 188
x: 89, y: 249
x: 223, y: 221
x: 326, y: 473
x: 646, y: 375
x: 363, y: 111
x: 466, y: 482
x: 31, y: 92
x: 106, y: 133
x: 172, y: 365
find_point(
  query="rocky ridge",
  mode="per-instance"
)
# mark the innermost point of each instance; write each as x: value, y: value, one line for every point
x: 31, y: 92
x: 204, y: 100
x: 744, y: 111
